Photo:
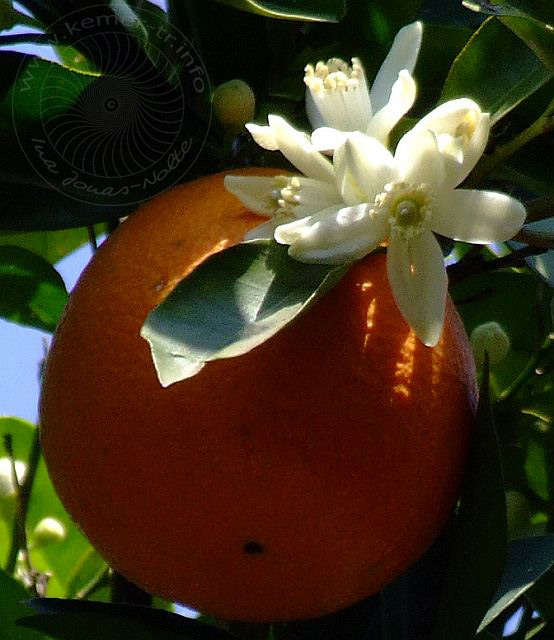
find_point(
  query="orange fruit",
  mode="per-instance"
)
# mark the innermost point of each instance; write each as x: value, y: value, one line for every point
x: 285, y: 483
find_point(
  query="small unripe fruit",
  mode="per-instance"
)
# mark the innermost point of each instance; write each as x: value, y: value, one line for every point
x: 7, y: 486
x: 234, y: 104
x: 492, y: 338
x: 48, y: 531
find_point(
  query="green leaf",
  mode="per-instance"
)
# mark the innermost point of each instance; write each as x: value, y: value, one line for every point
x: 33, y: 292
x: 488, y: 297
x: 12, y: 593
x: 51, y: 245
x: 537, y: 36
x: 540, y: 594
x: 518, y: 71
x: 26, y: 207
x: 70, y: 619
x: 312, y: 10
x: 479, y: 544
x: 527, y: 560
x: 536, y: 469
x: 541, y: 10
x: 231, y: 303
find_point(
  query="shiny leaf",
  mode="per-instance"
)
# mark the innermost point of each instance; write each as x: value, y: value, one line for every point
x: 231, y: 303
x: 528, y: 559
x: 312, y: 10
x: 33, y: 293
x: 518, y: 71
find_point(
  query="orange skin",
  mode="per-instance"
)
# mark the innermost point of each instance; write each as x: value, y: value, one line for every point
x: 286, y: 483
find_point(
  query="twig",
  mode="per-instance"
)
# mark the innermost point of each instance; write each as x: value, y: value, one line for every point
x: 92, y: 238
x: 459, y: 270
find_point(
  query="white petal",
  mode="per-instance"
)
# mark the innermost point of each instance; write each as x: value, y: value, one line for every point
x: 401, y: 100
x: 297, y: 149
x: 263, y: 136
x: 263, y: 231
x: 402, y: 55
x: 418, y: 159
x: 327, y: 138
x: 315, y: 195
x: 315, y: 116
x: 447, y: 117
x: 418, y: 281
x: 253, y: 191
x: 477, y: 216
x: 462, y: 131
x: 341, y: 100
x: 333, y: 236
x: 363, y: 167
x: 473, y: 149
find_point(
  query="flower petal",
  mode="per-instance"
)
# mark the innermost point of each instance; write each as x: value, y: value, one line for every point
x: 263, y: 231
x: 263, y: 136
x: 476, y: 216
x: 418, y: 281
x: 363, y: 167
x: 314, y: 196
x: 333, y: 236
x: 327, y: 138
x: 401, y: 99
x: 297, y: 149
x: 337, y: 95
x: 402, y: 55
x: 419, y: 160
x: 253, y: 191
x: 462, y: 131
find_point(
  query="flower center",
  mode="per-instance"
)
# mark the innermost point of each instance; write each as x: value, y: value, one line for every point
x: 466, y: 128
x: 333, y: 75
x: 284, y: 198
x: 408, y: 208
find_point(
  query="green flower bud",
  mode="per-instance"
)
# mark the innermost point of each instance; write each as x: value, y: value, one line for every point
x: 48, y: 531
x: 492, y: 338
x: 234, y: 104
x: 7, y: 486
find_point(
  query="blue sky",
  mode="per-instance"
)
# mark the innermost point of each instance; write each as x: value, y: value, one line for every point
x: 22, y: 349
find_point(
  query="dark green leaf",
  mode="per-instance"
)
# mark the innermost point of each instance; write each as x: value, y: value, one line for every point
x: 70, y: 619
x: 51, y: 245
x: 536, y: 36
x: 541, y: 10
x: 314, y: 10
x: 231, y: 303
x: 11, y: 595
x: 33, y: 293
x: 528, y: 559
x: 479, y: 544
x: 26, y: 207
x: 518, y: 71
x: 541, y: 594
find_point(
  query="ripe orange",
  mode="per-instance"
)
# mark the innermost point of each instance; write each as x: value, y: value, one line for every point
x: 286, y: 483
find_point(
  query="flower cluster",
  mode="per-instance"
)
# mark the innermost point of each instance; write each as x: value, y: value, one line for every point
x: 341, y: 208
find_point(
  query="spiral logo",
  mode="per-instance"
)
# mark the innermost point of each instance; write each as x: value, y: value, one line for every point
x: 129, y: 126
